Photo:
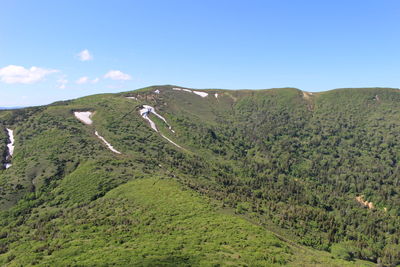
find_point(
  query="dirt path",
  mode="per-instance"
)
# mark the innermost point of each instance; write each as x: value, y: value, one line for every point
x: 307, y: 96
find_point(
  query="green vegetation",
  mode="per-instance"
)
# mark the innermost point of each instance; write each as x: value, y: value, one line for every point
x: 149, y: 222
x: 257, y: 165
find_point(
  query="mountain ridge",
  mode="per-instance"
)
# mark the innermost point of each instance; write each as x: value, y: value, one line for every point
x: 290, y: 162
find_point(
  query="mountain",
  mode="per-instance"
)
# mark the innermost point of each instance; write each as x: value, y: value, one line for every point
x: 172, y: 176
x: 5, y: 108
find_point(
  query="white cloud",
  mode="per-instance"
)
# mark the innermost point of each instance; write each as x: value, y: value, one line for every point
x: 96, y: 80
x: 62, y: 83
x: 82, y: 80
x: 19, y: 74
x: 85, y: 55
x: 117, y: 75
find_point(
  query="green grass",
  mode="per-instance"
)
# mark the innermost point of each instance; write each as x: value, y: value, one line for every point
x: 151, y: 222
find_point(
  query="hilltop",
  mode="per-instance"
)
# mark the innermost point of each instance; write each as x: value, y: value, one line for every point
x: 245, y: 177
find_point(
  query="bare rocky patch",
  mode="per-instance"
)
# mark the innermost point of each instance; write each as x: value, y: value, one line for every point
x: 365, y: 203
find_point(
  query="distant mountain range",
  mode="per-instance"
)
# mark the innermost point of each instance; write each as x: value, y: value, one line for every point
x: 3, y: 108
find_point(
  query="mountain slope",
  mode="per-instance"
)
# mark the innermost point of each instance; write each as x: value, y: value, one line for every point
x: 293, y: 162
x: 150, y: 222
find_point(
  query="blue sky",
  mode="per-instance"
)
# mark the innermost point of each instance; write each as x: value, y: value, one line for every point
x: 311, y: 45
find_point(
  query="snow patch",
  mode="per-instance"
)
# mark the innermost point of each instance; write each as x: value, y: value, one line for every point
x: 216, y: 95
x: 132, y: 97
x: 145, y: 111
x: 107, y: 143
x: 202, y: 94
x: 172, y: 142
x: 152, y: 110
x: 11, y: 144
x: 157, y: 91
x: 10, y: 147
x: 84, y: 117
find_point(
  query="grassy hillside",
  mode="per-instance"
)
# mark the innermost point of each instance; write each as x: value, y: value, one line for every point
x: 282, y: 160
x: 150, y: 222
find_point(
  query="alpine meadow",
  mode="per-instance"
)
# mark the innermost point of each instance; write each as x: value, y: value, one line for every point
x: 172, y: 176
